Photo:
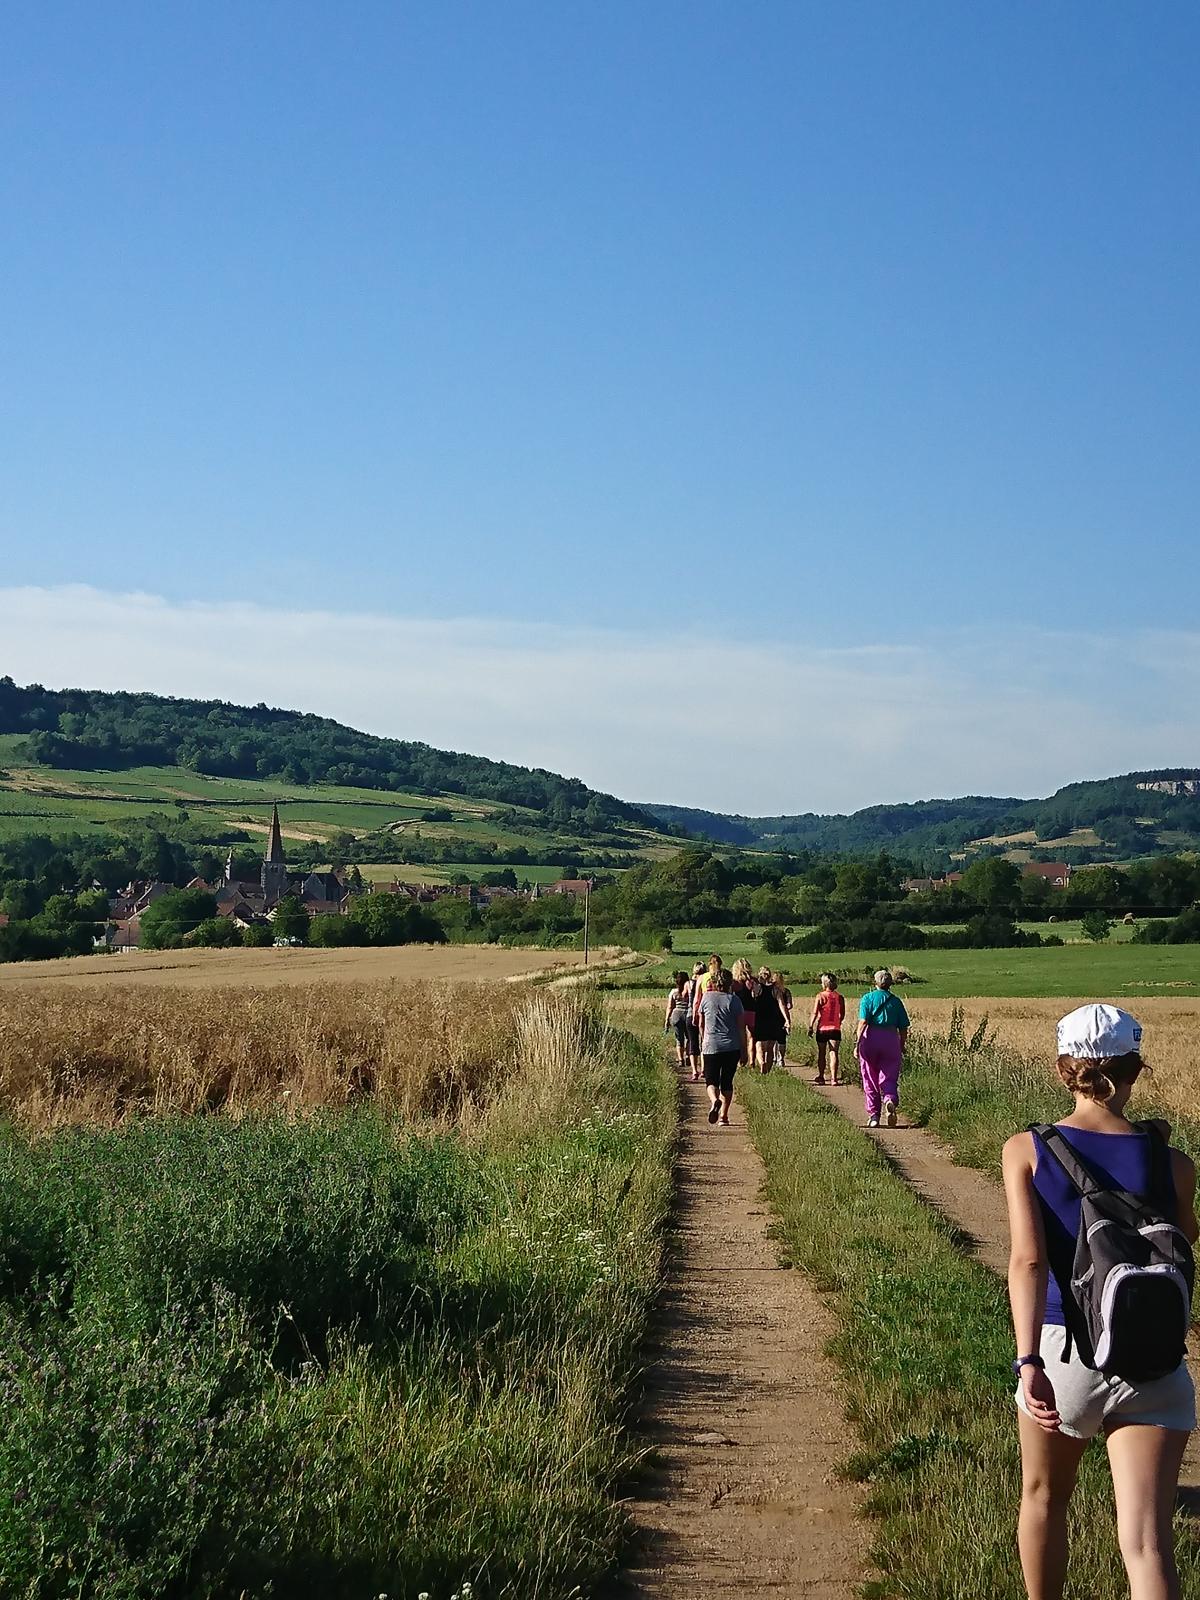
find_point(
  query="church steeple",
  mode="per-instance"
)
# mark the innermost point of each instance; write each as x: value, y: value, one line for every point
x: 274, y: 867
x: 275, y: 840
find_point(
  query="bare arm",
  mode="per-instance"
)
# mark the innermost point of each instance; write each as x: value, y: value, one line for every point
x: 1184, y: 1171
x: 1028, y: 1273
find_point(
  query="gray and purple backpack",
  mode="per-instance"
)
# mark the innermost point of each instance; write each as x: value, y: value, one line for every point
x: 1129, y: 1304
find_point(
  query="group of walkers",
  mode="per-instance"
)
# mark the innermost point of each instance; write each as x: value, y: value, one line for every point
x: 1102, y: 1222
x: 723, y: 1019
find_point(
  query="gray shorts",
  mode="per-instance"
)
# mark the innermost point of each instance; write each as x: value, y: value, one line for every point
x: 1088, y: 1401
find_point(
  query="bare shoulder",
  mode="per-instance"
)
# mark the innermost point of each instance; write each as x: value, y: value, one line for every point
x: 1018, y: 1152
x: 1182, y: 1166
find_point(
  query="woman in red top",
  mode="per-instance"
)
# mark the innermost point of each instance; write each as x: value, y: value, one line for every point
x: 828, y: 1014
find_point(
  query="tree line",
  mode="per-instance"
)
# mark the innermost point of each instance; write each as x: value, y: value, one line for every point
x: 859, y: 904
x: 55, y: 890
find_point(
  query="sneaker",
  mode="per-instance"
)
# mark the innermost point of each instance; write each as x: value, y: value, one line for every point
x: 714, y: 1112
x: 889, y: 1113
x: 872, y: 1122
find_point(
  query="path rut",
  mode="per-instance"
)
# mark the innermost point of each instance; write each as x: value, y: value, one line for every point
x: 743, y: 1407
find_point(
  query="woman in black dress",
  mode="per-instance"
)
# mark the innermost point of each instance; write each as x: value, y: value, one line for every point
x: 770, y: 1022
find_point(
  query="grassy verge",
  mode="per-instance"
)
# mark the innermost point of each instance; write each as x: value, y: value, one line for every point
x: 924, y: 1345
x: 335, y: 1355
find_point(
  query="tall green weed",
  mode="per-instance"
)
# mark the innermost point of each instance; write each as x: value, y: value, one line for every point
x: 332, y: 1356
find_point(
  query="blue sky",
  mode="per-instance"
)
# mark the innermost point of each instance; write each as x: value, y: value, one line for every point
x: 799, y: 329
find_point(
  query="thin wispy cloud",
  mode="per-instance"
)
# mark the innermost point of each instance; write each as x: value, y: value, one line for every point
x: 757, y: 728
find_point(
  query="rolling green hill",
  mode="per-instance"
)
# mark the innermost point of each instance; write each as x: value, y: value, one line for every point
x: 1140, y: 813
x: 80, y: 763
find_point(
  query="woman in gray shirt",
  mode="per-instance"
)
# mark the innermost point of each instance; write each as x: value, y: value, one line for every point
x: 723, y: 1043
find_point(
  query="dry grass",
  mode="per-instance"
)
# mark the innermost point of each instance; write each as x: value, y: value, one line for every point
x: 1027, y: 1027
x: 259, y: 969
x: 101, y: 1056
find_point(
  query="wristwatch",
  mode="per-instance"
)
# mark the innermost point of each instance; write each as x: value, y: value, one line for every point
x: 1027, y: 1361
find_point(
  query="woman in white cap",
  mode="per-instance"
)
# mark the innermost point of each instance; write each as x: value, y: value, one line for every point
x: 1069, y: 1381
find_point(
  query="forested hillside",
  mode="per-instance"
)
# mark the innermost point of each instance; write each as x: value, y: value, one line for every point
x: 84, y: 729
x: 1140, y: 813
x: 926, y: 825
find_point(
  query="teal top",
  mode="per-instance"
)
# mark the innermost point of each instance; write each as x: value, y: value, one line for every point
x: 883, y: 1009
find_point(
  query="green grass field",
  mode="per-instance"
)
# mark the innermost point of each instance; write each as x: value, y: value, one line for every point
x: 56, y: 802
x: 403, y: 872
x: 1073, y: 969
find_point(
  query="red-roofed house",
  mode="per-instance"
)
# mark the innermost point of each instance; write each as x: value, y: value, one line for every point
x: 575, y: 886
x: 323, y: 908
x: 1056, y: 872
x: 122, y: 933
x: 930, y: 885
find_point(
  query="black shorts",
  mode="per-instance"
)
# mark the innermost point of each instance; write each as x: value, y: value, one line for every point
x: 720, y: 1068
x: 693, y: 1034
x: 829, y: 1036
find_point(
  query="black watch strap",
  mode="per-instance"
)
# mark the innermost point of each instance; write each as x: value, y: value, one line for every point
x: 1028, y: 1361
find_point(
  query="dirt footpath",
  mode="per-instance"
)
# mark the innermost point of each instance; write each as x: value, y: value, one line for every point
x: 744, y: 1410
x: 975, y: 1205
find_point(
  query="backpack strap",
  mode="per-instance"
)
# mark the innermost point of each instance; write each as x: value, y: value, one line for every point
x: 1162, y: 1174
x: 1069, y: 1159
x: 1087, y: 1180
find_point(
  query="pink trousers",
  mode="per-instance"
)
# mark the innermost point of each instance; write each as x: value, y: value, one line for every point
x: 879, y: 1058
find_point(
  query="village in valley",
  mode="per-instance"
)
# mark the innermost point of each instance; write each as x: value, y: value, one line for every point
x: 1056, y: 873
x: 253, y: 903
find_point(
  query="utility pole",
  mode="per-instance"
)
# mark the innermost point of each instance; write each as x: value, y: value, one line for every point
x: 587, y: 895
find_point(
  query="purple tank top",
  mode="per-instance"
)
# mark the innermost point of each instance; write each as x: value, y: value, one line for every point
x: 1123, y: 1158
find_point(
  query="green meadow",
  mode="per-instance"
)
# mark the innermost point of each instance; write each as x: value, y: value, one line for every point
x: 444, y: 871
x: 1070, y: 969
x: 35, y: 799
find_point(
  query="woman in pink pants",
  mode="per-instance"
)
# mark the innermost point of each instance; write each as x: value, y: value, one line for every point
x: 882, y: 1031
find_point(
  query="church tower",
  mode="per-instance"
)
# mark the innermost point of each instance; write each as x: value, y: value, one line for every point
x: 274, y: 867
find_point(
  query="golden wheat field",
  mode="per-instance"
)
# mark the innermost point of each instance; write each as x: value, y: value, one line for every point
x: 1171, y: 1047
x: 102, y: 1054
x: 261, y: 969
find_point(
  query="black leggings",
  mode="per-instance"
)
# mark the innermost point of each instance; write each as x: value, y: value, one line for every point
x: 719, y: 1070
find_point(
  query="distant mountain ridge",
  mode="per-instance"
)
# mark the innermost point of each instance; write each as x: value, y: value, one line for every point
x: 1138, y: 813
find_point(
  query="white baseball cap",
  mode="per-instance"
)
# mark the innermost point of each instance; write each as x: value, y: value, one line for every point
x: 1095, y: 1032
